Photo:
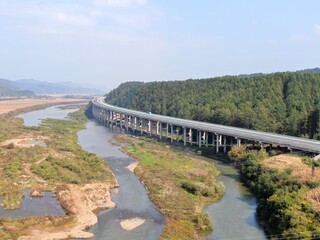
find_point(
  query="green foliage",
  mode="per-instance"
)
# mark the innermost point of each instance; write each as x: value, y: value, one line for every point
x: 85, y: 168
x: 282, y: 207
x: 13, y: 168
x: 287, y: 103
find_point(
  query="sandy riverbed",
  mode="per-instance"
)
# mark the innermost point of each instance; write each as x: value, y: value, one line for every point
x: 80, y: 202
x: 11, y: 105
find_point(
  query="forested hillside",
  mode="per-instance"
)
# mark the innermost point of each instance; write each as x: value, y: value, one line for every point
x: 287, y: 103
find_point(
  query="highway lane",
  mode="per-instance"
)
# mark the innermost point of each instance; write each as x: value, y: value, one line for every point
x: 263, y: 137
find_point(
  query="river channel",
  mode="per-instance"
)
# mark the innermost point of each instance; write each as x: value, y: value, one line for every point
x: 233, y: 216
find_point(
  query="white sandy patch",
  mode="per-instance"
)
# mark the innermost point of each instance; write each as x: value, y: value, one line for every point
x: 132, y: 166
x: 132, y: 223
x: 24, y: 141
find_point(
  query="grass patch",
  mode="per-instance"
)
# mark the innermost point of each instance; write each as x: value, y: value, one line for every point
x: 179, y: 185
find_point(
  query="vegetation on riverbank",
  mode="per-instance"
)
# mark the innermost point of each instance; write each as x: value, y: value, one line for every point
x: 283, y: 207
x: 60, y: 161
x: 179, y: 185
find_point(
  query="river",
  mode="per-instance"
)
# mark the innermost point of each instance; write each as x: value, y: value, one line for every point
x: 233, y: 216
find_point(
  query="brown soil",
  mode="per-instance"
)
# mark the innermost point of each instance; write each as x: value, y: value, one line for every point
x: 300, y: 170
x: 80, y: 203
x: 11, y: 105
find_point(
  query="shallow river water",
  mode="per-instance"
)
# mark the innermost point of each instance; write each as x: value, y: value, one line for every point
x: 131, y: 199
x: 233, y: 216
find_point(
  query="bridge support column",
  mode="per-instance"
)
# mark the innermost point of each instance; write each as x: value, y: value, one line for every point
x: 112, y: 119
x: 171, y: 133
x: 238, y: 142
x: 213, y: 134
x: 126, y: 122
x: 199, y: 138
x: 206, y: 138
x: 177, y: 133
x: 184, y: 136
x: 190, y: 136
x: 160, y: 136
x: 120, y: 117
x: 157, y: 128
x: 224, y: 143
x: 141, y: 126
x: 134, y: 124
x: 290, y: 149
x: 217, y: 143
x: 150, y: 128
x: 167, y: 131
x: 261, y: 146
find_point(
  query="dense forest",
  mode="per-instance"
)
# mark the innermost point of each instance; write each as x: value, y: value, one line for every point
x: 287, y: 102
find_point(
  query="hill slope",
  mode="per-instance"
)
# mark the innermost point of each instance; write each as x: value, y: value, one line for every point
x: 287, y: 102
x: 9, y: 89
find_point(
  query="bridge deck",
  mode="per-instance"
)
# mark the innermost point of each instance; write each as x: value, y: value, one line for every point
x: 242, y: 133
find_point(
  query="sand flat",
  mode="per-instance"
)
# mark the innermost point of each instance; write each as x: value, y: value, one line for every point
x: 131, y: 223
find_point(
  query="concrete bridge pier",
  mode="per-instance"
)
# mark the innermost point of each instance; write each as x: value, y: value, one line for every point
x: 167, y: 131
x: 218, y: 142
x: 199, y: 138
x: 238, y: 142
x: 150, y: 128
x: 171, y: 132
x: 160, y: 125
x: 224, y: 144
x: 184, y: 136
x: 190, y: 136
x: 126, y: 123
x: 177, y: 133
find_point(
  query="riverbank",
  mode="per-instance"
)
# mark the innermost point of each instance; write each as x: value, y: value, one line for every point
x: 80, y: 180
x: 283, y: 189
x: 177, y: 183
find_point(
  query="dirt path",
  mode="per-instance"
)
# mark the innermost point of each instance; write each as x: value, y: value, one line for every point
x: 28, y: 171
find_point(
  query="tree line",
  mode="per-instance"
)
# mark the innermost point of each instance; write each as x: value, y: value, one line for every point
x: 285, y: 103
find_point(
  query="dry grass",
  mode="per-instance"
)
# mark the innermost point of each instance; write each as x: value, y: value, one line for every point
x: 313, y: 197
x: 299, y: 169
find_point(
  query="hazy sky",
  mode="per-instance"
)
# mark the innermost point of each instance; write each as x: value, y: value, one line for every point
x: 106, y: 42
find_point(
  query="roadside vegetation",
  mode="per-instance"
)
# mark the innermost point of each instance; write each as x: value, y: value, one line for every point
x: 179, y: 185
x: 40, y: 168
x: 284, y: 207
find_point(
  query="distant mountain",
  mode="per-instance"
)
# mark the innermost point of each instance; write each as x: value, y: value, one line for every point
x: 40, y: 87
x: 9, y: 89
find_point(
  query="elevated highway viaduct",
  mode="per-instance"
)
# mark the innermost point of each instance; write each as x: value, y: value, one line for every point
x: 191, y: 132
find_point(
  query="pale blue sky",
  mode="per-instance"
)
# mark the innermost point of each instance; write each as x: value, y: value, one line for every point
x: 106, y: 42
